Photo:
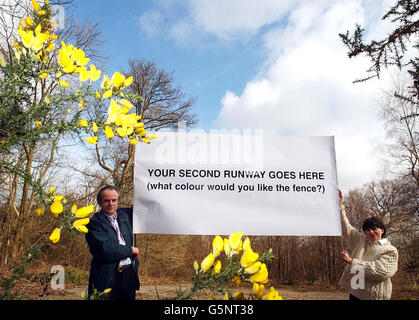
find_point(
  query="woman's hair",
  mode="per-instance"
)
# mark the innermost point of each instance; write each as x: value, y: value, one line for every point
x: 99, y: 195
x: 372, y: 223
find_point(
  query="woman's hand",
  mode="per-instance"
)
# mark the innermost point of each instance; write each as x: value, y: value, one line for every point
x: 345, y: 256
x: 340, y: 198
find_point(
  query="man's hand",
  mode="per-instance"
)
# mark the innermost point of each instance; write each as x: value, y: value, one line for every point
x: 135, y: 252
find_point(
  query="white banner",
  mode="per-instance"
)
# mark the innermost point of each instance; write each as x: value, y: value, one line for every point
x: 214, y: 184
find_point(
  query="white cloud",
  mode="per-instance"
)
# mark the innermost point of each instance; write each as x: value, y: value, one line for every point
x: 226, y: 18
x: 151, y: 22
x: 306, y: 88
x: 182, y: 30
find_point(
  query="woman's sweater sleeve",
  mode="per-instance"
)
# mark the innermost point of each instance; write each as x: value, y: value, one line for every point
x: 349, y: 233
x: 382, y: 268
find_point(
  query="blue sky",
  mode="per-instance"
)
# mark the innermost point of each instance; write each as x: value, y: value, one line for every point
x: 266, y: 64
x: 204, y: 67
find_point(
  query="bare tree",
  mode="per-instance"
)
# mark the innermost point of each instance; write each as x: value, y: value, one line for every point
x: 403, y: 130
x: 393, y: 201
x: 163, y: 105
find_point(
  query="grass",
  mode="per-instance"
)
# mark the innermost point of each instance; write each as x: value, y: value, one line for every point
x: 76, y: 276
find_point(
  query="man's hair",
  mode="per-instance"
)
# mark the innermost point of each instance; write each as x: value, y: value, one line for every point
x: 99, y: 195
x: 372, y: 223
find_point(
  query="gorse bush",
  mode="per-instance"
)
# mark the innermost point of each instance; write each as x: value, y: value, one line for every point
x: 46, y: 91
x: 250, y: 267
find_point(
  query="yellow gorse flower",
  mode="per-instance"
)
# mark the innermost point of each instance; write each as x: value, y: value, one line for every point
x: 246, y: 243
x: 84, y: 211
x: 217, y: 246
x: 140, y: 130
x: 92, y: 75
x: 35, y: 5
x: 72, y: 59
x: 81, y: 104
x: 258, y: 290
x: 249, y: 257
x: 94, y: 127
x: 106, y: 83
x: 38, y: 125
x: 92, y: 140
x: 238, y: 295
x: 34, y: 40
x: 83, y: 123
x: 109, y: 132
x: 25, y: 25
x: 80, y: 225
x: 55, y: 235
x: 119, y: 81
x: 272, y: 295
x: 196, y: 266
x: 237, y: 281
x: 126, y: 104
x: 64, y: 84
x: 235, y: 242
x: 207, y: 263
x: 122, y: 132
x: 126, y: 124
x: 81, y: 222
x: 261, y: 276
x: 217, y: 267
x: 57, y: 207
x: 107, y: 94
x: 252, y: 269
x: 39, y: 211
x: 49, y: 46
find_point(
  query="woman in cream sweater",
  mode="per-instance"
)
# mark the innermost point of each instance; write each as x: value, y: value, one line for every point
x: 373, y: 260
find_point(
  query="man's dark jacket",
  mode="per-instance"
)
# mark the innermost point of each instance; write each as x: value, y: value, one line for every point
x: 106, y: 250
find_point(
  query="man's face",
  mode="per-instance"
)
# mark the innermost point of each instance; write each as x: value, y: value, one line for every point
x: 109, y: 202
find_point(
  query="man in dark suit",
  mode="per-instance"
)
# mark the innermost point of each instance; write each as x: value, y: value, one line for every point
x: 112, y: 244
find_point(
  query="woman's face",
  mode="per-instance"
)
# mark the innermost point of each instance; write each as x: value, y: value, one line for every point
x: 374, y: 234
